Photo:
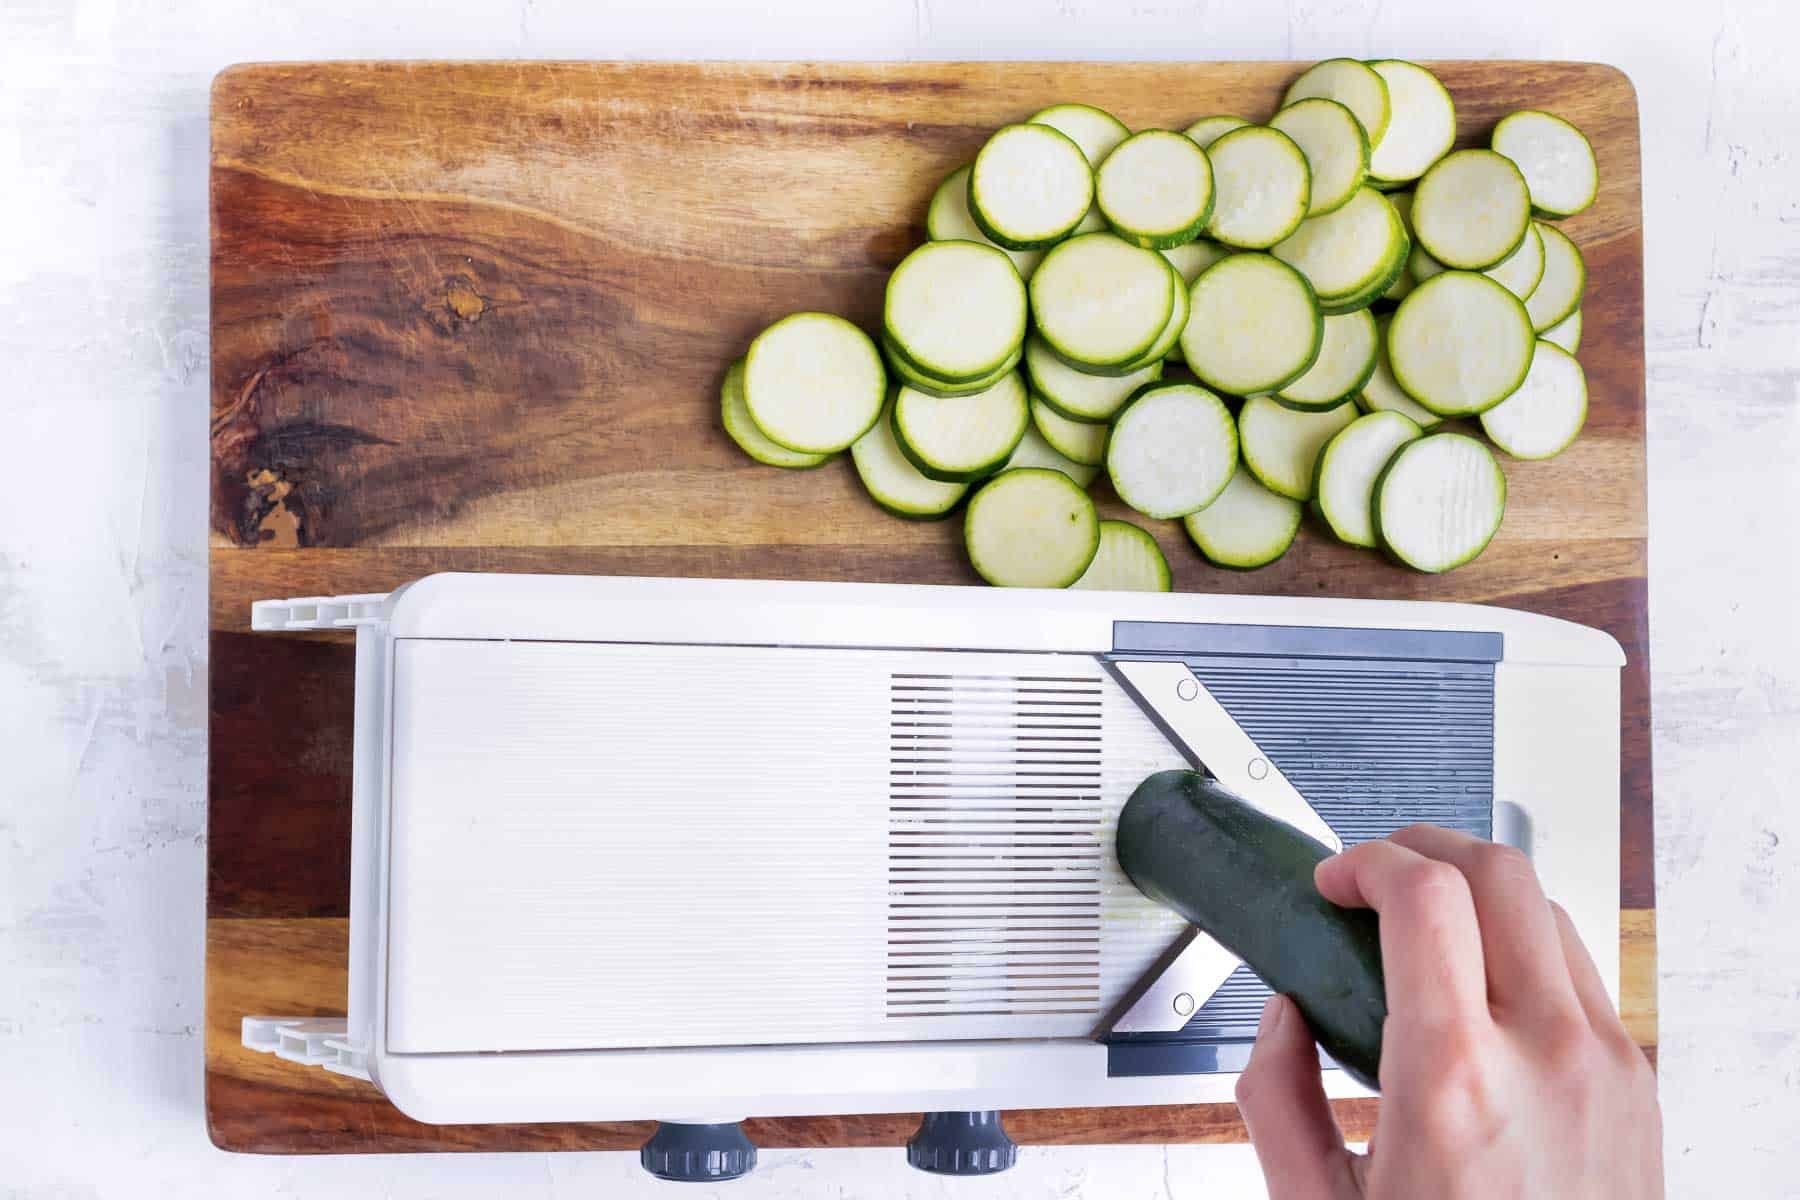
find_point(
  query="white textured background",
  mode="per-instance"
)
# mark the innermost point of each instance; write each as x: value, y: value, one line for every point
x: 103, y: 417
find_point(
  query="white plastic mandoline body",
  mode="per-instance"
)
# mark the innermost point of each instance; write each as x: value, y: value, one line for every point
x: 626, y: 848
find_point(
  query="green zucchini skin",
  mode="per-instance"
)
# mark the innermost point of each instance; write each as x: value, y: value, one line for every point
x: 1247, y: 879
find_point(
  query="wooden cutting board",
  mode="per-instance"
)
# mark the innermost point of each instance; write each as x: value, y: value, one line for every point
x: 473, y: 317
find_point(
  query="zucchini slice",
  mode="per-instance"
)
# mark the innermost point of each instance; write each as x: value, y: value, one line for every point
x: 1080, y: 395
x: 751, y: 440
x: 1247, y: 527
x: 1247, y: 879
x: 1031, y: 528
x: 1460, y: 343
x: 1170, y: 336
x: 1077, y: 441
x: 1471, y: 209
x: 1350, y: 251
x: 1254, y: 325
x: 1423, y: 127
x: 1155, y: 189
x: 1034, y: 451
x: 1129, y: 560
x: 1262, y: 187
x: 1208, y: 130
x: 1355, y: 85
x: 1336, y: 149
x: 1094, y: 130
x: 1556, y: 159
x: 1172, y: 450
x: 1353, y: 459
x: 1565, y: 333
x: 1405, y: 281
x: 1439, y: 502
x: 1282, y: 445
x: 1191, y: 258
x: 1520, y: 271
x: 908, y: 373
x: 1383, y: 393
x: 956, y: 310
x: 1346, y: 361
x: 1543, y: 417
x: 961, y: 438
x: 1030, y: 186
x: 894, y: 483
x: 1100, y: 302
x: 947, y: 219
x: 813, y: 382
x: 1565, y: 275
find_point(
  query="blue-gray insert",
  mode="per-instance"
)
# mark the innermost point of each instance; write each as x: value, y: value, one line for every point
x: 1377, y: 728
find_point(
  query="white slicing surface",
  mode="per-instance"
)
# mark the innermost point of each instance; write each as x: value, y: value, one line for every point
x: 103, y: 644
x: 956, y: 307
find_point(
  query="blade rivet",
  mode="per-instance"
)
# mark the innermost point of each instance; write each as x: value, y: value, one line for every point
x: 1187, y: 689
x: 1184, y: 1004
x: 1259, y: 768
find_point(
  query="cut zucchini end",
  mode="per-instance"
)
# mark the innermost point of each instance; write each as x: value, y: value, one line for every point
x: 735, y: 415
x: 1031, y: 527
x: 1128, y: 560
x: 1247, y: 527
x: 1439, y: 502
x: 813, y: 383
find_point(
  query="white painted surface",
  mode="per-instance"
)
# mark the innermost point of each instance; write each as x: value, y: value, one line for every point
x: 102, y: 561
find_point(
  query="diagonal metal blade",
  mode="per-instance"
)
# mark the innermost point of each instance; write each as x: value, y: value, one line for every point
x: 1175, y: 986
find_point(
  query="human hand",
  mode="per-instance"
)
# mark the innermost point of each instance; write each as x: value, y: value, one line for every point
x: 1505, y: 1071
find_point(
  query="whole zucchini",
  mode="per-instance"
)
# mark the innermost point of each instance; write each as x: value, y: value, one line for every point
x: 1247, y: 879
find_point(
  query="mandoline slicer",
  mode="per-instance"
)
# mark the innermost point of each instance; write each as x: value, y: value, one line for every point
x: 701, y: 850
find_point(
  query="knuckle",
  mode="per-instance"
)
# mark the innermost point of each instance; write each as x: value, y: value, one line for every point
x: 1502, y: 866
x: 1430, y: 882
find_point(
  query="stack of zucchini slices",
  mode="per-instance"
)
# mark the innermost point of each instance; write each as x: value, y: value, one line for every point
x: 1234, y: 322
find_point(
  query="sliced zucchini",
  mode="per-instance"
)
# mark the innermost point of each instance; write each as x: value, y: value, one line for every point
x: 1383, y: 393
x: 1092, y: 223
x: 1439, y: 501
x: 908, y: 373
x: 1423, y: 127
x: 1405, y: 281
x: 1565, y: 275
x: 1282, y: 445
x: 1193, y: 257
x: 1352, y: 460
x: 1471, y: 209
x: 956, y: 310
x: 1155, y: 189
x: 1353, y: 84
x: 1208, y: 130
x: 1460, y: 343
x: 1254, y: 325
x: 1262, y: 187
x: 1247, y: 527
x: 1421, y: 266
x: 1077, y: 441
x: 1034, y: 451
x: 1170, y: 336
x: 947, y: 219
x: 1100, y: 303
x: 1031, y: 527
x: 1079, y: 395
x: 1349, y: 251
x: 1520, y: 271
x: 751, y: 440
x: 1336, y: 149
x: 814, y: 383
x: 1030, y: 186
x: 1555, y: 157
x: 962, y: 438
x: 1094, y: 130
x: 1543, y: 417
x: 1346, y: 359
x: 1357, y: 301
x: 1172, y: 450
x: 1129, y: 560
x: 1565, y: 333
x: 894, y: 483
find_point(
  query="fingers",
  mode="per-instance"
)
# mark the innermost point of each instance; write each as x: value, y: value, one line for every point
x: 1526, y: 971
x: 1584, y: 976
x: 1430, y: 939
x: 1283, y: 1102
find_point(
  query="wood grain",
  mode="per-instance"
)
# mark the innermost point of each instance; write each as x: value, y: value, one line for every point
x: 473, y: 317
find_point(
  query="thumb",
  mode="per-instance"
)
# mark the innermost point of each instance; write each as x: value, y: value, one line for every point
x: 1283, y: 1102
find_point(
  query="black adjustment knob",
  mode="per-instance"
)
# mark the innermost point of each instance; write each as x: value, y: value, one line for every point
x: 961, y: 1143
x: 697, y: 1153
